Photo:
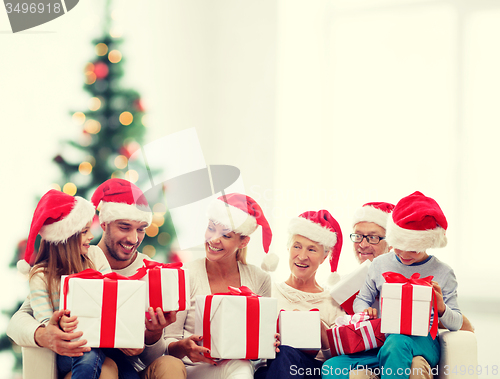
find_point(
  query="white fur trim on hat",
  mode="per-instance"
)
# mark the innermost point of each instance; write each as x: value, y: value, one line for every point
x: 313, y: 231
x: 371, y: 214
x: 83, y: 211
x: 110, y: 211
x: 234, y: 218
x: 414, y: 240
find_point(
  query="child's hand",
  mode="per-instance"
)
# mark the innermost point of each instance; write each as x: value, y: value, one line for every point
x: 372, y: 312
x: 68, y: 323
x: 439, y: 296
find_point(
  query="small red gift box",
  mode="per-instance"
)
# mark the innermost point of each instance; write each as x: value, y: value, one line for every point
x: 167, y: 285
x: 354, y: 334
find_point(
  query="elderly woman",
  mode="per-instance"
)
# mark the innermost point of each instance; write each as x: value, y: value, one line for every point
x: 313, y: 236
x: 232, y: 218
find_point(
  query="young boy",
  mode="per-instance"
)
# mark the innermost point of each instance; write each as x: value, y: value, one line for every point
x: 417, y: 224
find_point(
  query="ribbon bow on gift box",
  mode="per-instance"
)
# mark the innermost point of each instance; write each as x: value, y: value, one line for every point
x: 358, y: 319
x: 407, y: 299
x: 154, y: 280
x: 355, y: 333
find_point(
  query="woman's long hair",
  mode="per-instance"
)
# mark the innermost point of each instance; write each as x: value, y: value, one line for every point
x: 55, y: 260
x: 241, y: 254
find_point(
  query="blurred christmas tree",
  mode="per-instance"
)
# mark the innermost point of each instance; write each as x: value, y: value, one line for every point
x: 112, y: 129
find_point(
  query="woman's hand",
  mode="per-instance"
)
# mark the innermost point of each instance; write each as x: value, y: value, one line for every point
x: 188, y: 347
x: 372, y: 312
x: 277, y: 343
x: 68, y: 323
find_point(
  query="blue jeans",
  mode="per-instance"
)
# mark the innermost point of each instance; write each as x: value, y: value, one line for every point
x: 290, y: 363
x: 89, y: 365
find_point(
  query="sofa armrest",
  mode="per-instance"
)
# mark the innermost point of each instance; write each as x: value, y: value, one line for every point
x: 39, y: 363
x: 458, y: 355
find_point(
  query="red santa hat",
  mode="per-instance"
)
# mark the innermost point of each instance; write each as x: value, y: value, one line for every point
x: 322, y: 228
x: 243, y: 215
x: 121, y: 200
x: 57, y: 217
x: 417, y: 224
x: 377, y: 212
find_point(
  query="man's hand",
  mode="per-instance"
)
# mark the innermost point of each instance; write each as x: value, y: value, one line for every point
x: 58, y: 341
x: 156, y: 323
x: 188, y: 347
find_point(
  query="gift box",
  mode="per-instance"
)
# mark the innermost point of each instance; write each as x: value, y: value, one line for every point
x: 300, y: 329
x: 237, y: 325
x: 106, y: 307
x: 406, y: 305
x: 167, y: 285
x: 354, y: 334
x: 345, y: 291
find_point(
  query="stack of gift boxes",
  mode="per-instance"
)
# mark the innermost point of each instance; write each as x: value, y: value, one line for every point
x: 111, y: 308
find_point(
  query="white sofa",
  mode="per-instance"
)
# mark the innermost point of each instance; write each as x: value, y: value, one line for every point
x: 458, y: 358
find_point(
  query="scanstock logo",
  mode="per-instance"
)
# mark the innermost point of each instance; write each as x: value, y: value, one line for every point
x: 26, y: 14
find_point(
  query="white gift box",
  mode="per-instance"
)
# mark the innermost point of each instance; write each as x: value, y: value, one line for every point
x: 300, y: 329
x: 412, y: 320
x: 345, y: 291
x: 167, y: 288
x: 236, y: 329
x: 117, y: 321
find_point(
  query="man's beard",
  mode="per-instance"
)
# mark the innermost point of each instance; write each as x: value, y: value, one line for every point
x: 112, y: 252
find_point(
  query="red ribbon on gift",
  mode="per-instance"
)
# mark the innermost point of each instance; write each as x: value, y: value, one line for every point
x: 252, y: 317
x: 154, y: 269
x: 109, y: 301
x: 407, y: 299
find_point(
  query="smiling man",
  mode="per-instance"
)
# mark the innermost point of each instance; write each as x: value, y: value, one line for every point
x: 368, y: 235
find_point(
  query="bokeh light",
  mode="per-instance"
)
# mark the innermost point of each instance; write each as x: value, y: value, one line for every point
x: 121, y: 161
x: 78, y: 118
x: 70, y: 189
x: 126, y: 118
x: 85, y: 168
x: 114, y: 56
x: 101, y: 49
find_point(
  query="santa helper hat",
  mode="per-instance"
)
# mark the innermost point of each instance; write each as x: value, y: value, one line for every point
x: 57, y: 217
x: 377, y: 212
x: 322, y: 228
x: 417, y: 224
x: 120, y: 199
x: 243, y: 215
